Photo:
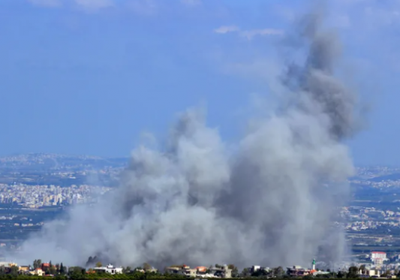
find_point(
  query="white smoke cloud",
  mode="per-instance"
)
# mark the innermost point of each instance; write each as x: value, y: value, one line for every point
x: 226, y: 29
x: 199, y: 203
x: 248, y: 34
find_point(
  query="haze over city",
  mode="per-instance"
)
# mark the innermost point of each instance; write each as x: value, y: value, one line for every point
x: 196, y: 131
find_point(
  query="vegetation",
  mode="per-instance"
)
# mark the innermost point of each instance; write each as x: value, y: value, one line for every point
x: 147, y: 266
x: 58, y: 271
x: 126, y: 277
x: 37, y: 263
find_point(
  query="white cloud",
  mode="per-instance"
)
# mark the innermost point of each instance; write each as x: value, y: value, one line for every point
x: 226, y: 29
x: 248, y: 34
x: 46, y: 3
x: 94, y: 4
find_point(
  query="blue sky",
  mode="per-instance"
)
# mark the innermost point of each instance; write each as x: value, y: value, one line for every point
x: 89, y: 76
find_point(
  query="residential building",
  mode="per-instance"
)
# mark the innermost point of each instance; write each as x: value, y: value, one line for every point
x: 378, y: 257
x: 24, y: 268
x: 109, y: 269
x: 37, y: 272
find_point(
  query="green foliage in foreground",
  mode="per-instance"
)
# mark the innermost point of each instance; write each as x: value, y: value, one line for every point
x: 136, y: 276
x: 90, y: 277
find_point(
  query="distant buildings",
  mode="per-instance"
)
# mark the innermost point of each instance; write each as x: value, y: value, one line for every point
x: 296, y: 271
x: 35, y: 196
x: 109, y: 269
x: 36, y: 272
x: 378, y: 257
x: 201, y: 271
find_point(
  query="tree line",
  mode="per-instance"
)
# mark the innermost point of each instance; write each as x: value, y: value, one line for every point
x: 59, y: 271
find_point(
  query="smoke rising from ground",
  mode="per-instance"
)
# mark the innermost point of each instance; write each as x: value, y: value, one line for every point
x: 195, y: 202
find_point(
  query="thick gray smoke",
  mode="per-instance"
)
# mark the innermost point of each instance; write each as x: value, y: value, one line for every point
x: 271, y: 200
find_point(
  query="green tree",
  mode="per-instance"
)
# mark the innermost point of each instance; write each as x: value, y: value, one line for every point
x: 245, y: 272
x: 278, y: 271
x: 99, y: 264
x: 235, y: 270
x: 332, y: 275
x: 126, y: 270
x: 14, y: 270
x: 37, y: 263
x: 76, y: 272
x: 147, y: 266
x: 53, y: 270
x: 362, y: 269
x: 62, y: 269
x: 259, y: 273
x: 353, y: 272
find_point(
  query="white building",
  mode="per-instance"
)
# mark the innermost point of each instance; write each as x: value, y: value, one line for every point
x: 378, y: 257
x: 109, y: 269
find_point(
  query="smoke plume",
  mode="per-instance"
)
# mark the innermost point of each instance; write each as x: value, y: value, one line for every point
x: 270, y: 201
